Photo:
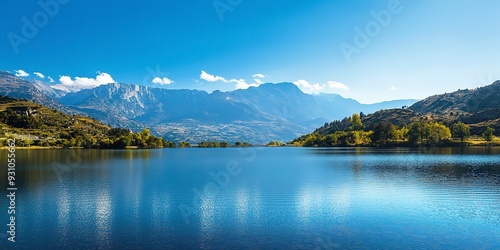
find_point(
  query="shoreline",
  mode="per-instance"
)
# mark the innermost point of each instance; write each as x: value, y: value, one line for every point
x: 448, y: 145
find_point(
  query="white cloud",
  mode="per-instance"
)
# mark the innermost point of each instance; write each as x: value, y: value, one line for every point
x: 39, y: 75
x: 211, y: 78
x: 259, y: 76
x: 50, y: 79
x: 79, y: 83
x: 393, y: 88
x: 162, y: 81
x: 309, y: 88
x: 242, y: 84
x: 316, y: 88
x: 21, y: 73
x: 337, y: 85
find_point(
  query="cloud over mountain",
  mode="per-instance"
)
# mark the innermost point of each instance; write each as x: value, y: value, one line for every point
x: 40, y: 75
x: 211, y: 78
x: 68, y: 84
x: 336, y: 85
x: 316, y: 88
x: 162, y: 81
x: 21, y: 73
x: 240, y: 83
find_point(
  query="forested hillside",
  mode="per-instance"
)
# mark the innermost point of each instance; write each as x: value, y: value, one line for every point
x: 440, y: 119
x: 36, y: 125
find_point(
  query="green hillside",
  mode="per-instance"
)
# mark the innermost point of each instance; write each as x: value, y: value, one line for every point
x: 36, y: 125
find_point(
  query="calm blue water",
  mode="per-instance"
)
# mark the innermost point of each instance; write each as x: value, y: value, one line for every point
x: 272, y: 198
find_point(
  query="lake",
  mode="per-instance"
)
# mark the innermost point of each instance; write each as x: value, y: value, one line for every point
x: 248, y: 198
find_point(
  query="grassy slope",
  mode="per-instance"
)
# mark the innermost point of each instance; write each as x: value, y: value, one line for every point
x: 51, y: 124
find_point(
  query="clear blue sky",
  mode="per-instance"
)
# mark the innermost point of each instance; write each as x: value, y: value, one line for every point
x: 427, y: 47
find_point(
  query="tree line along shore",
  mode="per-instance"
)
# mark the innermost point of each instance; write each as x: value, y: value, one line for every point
x: 351, y: 132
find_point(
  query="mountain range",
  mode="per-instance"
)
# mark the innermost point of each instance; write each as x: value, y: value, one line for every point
x: 258, y: 114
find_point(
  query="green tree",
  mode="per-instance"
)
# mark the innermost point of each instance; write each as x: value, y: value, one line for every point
x: 438, y: 133
x: 428, y: 132
x: 488, y: 134
x: 139, y: 140
x: 354, y: 138
x: 168, y: 144
x: 356, y: 123
x: 146, y: 133
x: 402, y: 133
x: 24, y: 142
x: 460, y: 130
x: 184, y: 144
x: 341, y: 137
x: 311, y: 140
x: 366, y: 137
x: 331, y: 140
x: 89, y: 141
x: 384, y: 133
x: 154, y: 142
x: 275, y: 144
x: 105, y: 142
x: 122, y: 142
x: 415, y: 133
x: 117, y: 132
